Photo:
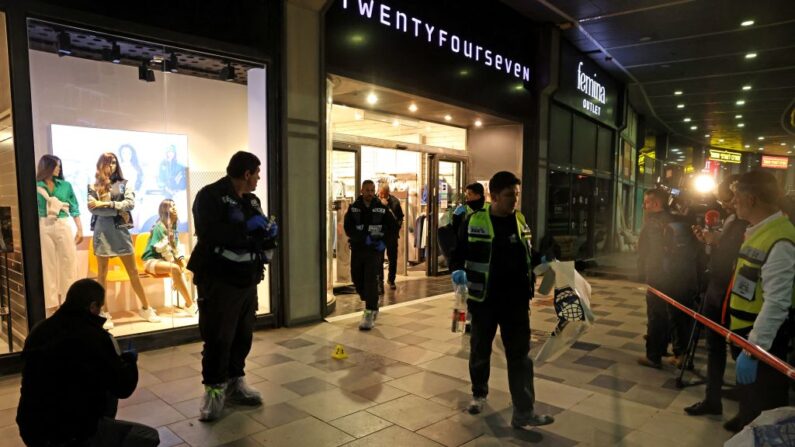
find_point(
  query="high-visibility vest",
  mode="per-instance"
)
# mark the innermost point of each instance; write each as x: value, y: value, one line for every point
x: 480, y: 234
x: 746, y: 296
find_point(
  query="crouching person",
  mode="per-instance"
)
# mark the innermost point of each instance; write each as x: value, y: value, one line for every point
x: 74, y: 373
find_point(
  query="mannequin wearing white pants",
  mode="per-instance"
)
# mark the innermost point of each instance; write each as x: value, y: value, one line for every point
x: 58, y: 259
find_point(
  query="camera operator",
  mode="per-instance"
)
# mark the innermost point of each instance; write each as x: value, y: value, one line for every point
x: 725, y: 245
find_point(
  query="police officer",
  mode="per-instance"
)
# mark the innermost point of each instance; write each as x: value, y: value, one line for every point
x: 366, y: 222
x: 475, y: 200
x: 762, y: 296
x: 235, y: 241
x: 493, y: 257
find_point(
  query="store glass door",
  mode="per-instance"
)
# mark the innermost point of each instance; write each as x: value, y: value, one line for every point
x: 447, y: 174
x: 345, y: 167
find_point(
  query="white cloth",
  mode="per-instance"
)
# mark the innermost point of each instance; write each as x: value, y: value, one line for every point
x: 58, y: 259
x: 778, y: 273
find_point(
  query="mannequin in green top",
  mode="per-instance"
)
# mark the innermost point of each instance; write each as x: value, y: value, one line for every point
x: 163, y: 255
x: 57, y: 203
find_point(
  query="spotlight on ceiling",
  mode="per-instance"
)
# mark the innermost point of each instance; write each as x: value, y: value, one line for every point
x: 112, y: 54
x: 478, y: 123
x: 740, y: 124
x: 678, y: 92
x: 760, y: 138
x: 747, y: 23
x: 750, y: 55
x: 761, y: 148
x: 782, y: 144
x: 687, y: 120
x: 63, y: 44
x: 372, y: 98
x: 413, y: 108
x: 738, y: 116
x: 706, y: 135
x: 747, y: 146
x: 693, y: 127
x: 720, y: 140
x: 740, y: 102
x: 172, y: 64
x: 228, y: 72
x: 680, y: 106
x: 144, y: 73
x: 747, y: 87
x: 448, y: 118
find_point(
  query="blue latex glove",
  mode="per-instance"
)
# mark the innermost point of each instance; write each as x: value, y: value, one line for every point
x: 368, y: 240
x: 380, y: 246
x: 271, y: 230
x: 461, y: 209
x: 459, y: 278
x: 258, y: 222
x: 746, y: 369
x: 544, y: 259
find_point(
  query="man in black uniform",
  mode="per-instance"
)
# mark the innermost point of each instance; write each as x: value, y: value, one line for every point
x: 235, y: 240
x: 493, y: 257
x: 392, y: 203
x: 366, y: 223
x: 73, y: 376
x: 475, y: 200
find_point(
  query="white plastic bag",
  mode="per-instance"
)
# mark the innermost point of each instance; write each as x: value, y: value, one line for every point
x: 572, y: 303
x: 772, y: 427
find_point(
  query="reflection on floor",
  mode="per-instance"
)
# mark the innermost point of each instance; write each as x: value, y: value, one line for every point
x: 406, y: 383
x: 408, y: 289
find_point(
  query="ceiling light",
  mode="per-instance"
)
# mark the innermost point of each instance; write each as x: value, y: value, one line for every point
x: 693, y: 127
x: 478, y: 123
x: 687, y: 120
x: 395, y: 123
x: 720, y: 141
x: 747, y: 146
x: 740, y: 124
x: 783, y: 144
x: 789, y: 152
x: 760, y: 138
x: 738, y: 116
x: 740, y: 102
x: 746, y: 87
x: 372, y: 98
x: 448, y: 118
x: 761, y: 148
x: 680, y: 106
x: 63, y: 44
x: 228, y: 72
x: 678, y: 92
x: 413, y: 107
x: 706, y: 135
x: 750, y: 55
x: 676, y: 149
x: 747, y: 23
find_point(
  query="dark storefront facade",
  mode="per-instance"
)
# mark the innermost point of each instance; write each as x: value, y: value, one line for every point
x: 172, y: 94
x: 586, y: 112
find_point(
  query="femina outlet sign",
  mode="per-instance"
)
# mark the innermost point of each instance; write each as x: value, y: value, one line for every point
x: 593, y: 89
x: 433, y: 34
x: 585, y: 87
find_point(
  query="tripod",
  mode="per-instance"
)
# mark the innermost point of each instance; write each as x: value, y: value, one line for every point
x: 690, y: 352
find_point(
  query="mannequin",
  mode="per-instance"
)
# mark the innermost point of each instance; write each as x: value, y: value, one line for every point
x: 57, y: 202
x: 110, y: 200
x: 163, y: 254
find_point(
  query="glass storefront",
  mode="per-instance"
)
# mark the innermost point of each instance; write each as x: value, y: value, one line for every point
x: 165, y: 120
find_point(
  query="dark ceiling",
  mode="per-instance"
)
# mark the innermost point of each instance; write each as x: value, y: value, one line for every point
x: 699, y: 48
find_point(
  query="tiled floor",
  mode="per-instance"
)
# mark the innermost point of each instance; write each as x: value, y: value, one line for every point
x: 408, y: 289
x: 405, y: 383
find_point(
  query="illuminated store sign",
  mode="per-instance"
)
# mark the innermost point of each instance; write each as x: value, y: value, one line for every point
x: 436, y: 36
x: 768, y: 161
x: 590, y: 87
x: 725, y: 156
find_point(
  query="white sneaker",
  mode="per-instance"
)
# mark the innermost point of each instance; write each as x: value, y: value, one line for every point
x: 213, y: 402
x: 476, y: 405
x: 368, y: 320
x: 238, y: 392
x: 149, y: 315
x: 108, y: 324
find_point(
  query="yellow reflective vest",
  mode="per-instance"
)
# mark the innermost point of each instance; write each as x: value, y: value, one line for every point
x: 480, y: 234
x: 746, y: 297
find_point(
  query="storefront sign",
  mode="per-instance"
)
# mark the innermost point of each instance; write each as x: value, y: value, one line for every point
x: 725, y: 156
x: 434, y: 35
x: 587, y: 88
x: 769, y: 161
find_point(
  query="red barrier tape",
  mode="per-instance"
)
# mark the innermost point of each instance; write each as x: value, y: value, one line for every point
x: 759, y: 353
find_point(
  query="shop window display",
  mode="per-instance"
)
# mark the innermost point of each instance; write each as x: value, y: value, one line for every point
x: 139, y: 129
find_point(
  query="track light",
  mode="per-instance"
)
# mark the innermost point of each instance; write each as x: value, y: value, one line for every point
x: 63, y: 44
x: 228, y: 72
x: 144, y: 73
x: 112, y: 54
x: 172, y: 64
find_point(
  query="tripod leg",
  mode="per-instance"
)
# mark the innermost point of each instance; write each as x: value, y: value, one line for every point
x: 692, y: 344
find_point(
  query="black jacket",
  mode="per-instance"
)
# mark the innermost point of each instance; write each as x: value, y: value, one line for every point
x: 669, y: 256
x: 722, y: 259
x: 72, y: 377
x: 393, y: 204
x: 219, y: 217
x: 360, y: 221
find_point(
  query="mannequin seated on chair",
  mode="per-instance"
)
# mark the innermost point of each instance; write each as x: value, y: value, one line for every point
x: 163, y: 254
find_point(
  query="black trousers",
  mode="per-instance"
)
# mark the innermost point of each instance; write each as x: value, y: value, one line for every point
x: 226, y: 323
x: 124, y: 434
x: 716, y: 353
x: 666, y: 323
x: 771, y: 388
x: 365, y: 265
x: 391, y: 255
x: 510, y: 314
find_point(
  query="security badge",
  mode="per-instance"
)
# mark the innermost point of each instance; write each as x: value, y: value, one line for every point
x: 745, y: 283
